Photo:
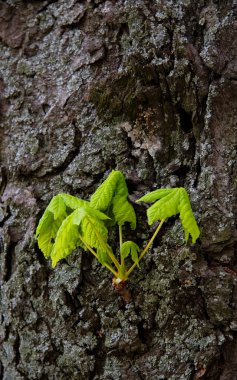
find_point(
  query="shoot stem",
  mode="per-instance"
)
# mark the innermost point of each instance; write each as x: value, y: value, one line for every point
x: 111, y: 269
x: 146, y: 247
x: 112, y: 257
x: 120, y: 244
x: 95, y: 254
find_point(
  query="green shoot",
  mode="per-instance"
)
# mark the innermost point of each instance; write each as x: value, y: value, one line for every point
x: 69, y: 222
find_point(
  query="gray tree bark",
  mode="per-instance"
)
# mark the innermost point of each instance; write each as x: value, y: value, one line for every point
x: 149, y: 88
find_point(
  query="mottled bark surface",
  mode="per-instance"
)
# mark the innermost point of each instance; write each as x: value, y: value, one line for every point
x: 149, y: 88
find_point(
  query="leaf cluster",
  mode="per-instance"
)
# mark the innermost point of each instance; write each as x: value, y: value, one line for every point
x: 70, y: 222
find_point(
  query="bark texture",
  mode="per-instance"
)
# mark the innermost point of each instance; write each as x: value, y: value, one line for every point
x: 149, y: 88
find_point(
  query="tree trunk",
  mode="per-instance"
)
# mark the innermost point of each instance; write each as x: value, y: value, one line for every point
x: 148, y: 88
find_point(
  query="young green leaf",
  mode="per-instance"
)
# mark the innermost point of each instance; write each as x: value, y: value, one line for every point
x: 154, y: 195
x: 83, y: 227
x: 172, y: 202
x: 67, y: 239
x: 102, y: 197
x: 102, y: 256
x: 94, y: 232
x: 111, y: 197
x: 187, y: 218
x: 49, y: 224
x: 57, y: 207
x: 88, y: 211
x: 73, y: 202
x: 164, y: 208
x: 124, y: 212
x: 130, y: 248
x: 47, y: 232
x: 92, y: 228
